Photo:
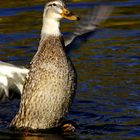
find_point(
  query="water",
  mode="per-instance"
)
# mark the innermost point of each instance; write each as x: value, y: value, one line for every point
x: 107, y: 104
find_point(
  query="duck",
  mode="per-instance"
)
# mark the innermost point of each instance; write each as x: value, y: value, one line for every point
x: 51, y: 83
x: 12, y: 77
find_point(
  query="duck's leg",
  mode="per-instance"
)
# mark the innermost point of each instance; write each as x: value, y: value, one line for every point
x: 66, y: 128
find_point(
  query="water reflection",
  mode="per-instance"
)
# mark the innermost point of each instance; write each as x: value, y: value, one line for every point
x: 49, y: 137
x: 36, y: 137
x: 7, y: 133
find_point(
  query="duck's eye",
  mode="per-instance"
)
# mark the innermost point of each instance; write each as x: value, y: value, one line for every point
x: 54, y: 4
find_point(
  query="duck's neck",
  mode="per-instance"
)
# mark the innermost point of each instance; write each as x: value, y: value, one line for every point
x: 50, y: 27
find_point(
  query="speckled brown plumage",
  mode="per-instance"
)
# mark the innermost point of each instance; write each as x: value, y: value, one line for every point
x: 49, y: 87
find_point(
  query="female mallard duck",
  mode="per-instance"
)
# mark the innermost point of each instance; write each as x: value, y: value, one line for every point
x: 51, y: 82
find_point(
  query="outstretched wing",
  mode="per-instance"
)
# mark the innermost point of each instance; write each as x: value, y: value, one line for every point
x: 11, y: 80
x: 89, y: 23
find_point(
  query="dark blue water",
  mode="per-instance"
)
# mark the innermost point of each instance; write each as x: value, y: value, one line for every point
x: 107, y: 104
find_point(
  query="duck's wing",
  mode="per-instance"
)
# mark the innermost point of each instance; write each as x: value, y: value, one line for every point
x: 90, y: 22
x: 11, y: 80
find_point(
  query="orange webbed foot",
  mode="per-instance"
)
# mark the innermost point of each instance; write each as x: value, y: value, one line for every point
x: 66, y: 128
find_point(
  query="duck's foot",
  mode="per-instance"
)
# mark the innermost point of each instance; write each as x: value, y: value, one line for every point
x: 66, y: 128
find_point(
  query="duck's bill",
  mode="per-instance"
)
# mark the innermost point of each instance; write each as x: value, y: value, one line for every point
x: 68, y: 15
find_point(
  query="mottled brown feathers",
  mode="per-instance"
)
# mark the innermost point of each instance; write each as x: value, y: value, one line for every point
x: 49, y: 88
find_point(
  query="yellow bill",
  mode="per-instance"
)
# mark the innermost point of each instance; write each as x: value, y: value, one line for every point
x: 68, y: 15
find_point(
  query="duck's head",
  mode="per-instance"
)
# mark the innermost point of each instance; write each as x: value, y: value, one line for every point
x: 54, y: 11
